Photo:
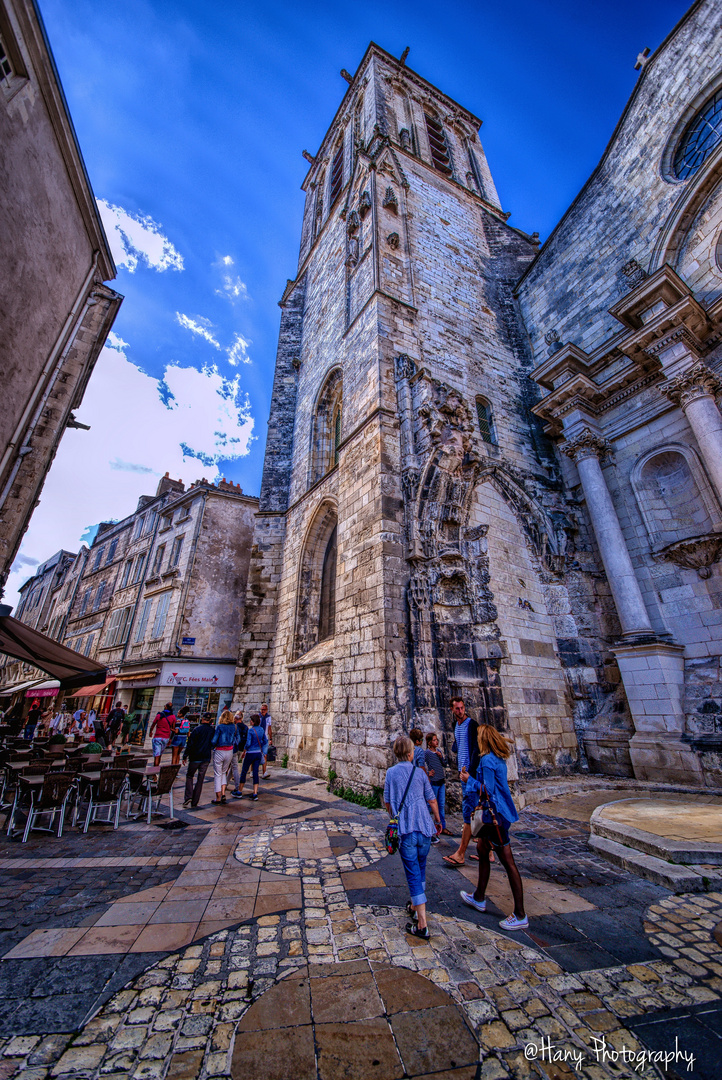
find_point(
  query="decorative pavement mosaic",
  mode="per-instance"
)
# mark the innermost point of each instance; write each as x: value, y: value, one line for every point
x: 304, y: 847
x: 319, y: 981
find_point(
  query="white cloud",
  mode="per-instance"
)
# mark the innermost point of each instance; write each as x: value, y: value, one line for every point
x: 113, y: 341
x: 136, y: 238
x: 199, y: 326
x: 238, y: 352
x: 140, y: 428
x: 232, y: 289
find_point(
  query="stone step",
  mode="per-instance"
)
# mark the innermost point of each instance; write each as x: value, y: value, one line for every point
x: 675, y: 851
x: 673, y: 876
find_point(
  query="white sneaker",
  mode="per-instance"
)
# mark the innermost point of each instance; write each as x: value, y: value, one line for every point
x: 512, y: 923
x: 468, y: 898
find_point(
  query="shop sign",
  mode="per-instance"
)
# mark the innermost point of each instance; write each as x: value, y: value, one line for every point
x: 197, y: 675
x: 48, y: 691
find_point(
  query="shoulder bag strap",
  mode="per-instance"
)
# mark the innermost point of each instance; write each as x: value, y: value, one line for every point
x: 403, y: 799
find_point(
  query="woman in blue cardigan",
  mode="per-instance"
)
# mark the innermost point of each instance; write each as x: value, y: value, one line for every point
x: 494, y: 750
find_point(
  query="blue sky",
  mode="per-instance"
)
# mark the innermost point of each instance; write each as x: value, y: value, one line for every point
x: 194, y: 115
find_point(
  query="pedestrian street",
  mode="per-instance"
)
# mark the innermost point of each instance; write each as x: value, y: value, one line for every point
x: 266, y: 939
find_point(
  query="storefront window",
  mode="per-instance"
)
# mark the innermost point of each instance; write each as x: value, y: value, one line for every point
x: 142, y: 703
x: 200, y: 699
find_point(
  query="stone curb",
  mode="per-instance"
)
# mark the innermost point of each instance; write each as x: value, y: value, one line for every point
x: 671, y: 876
x: 673, y: 851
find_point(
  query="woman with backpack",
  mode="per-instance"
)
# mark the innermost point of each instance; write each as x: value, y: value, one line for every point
x: 498, y: 813
x: 180, y: 734
x: 408, y: 797
x: 256, y: 746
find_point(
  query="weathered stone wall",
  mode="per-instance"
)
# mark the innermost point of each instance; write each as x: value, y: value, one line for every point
x: 408, y: 295
x: 54, y: 310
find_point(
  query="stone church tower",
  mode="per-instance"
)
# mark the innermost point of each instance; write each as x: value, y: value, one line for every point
x: 413, y: 541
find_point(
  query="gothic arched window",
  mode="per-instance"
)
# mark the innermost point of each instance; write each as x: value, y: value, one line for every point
x: 484, y: 416
x: 327, y: 605
x: 440, y: 156
x: 336, y: 184
x: 316, y: 604
x: 327, y: 427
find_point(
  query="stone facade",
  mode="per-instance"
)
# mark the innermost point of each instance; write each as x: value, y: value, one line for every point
x: 55, y: 309
x: 623, y: 306
x: 403, y: 446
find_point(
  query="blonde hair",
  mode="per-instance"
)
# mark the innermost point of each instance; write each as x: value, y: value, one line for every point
x: 403, y: 747
x: 226, y: 717
x: 492, y: 741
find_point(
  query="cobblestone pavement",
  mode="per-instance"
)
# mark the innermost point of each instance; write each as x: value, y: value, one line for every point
x: 305, y: 970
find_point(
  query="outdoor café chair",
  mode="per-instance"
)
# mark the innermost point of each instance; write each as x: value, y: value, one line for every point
x: 108, y: 791
x: 155, y: 787
x: 51, y: 799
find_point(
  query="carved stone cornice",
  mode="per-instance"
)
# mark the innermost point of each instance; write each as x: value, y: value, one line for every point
x: 696, y: 553
x: 405, y: 368
x: 695, y: 383
x: 679, y: 335
x: 586, y: 445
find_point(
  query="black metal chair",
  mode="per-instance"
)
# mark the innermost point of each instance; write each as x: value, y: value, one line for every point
x: 108, y: 791
x: 155, y: 787
x: 51, y: 799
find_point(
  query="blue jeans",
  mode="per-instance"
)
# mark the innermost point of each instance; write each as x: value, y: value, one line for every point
x: 414, y: 850
x: 439, y: 791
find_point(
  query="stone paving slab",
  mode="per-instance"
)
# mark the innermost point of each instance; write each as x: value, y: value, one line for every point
x: 607, y: 951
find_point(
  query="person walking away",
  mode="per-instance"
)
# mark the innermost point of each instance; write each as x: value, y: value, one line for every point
x: 436, y: 770
x: 234, y: 766
x: 87, y: 729
x: 180, y: 735
x: 408, y: 796
x: 494, y: 749
x: 467, y: 752
x: 197, y: 752
x: 224, y: 741
x: 163, y: 726
x: 114, y: 722
x: 256, y: 746
x: 267, y: 726
x: 32, y: 721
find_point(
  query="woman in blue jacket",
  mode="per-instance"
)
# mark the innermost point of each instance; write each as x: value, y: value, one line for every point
x: 494, y: 750
x: 256, y: 747
x: 225, y: 740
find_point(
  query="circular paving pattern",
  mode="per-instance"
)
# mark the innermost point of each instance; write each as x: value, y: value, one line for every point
x: 306, y: 847
x: 377, y: 1022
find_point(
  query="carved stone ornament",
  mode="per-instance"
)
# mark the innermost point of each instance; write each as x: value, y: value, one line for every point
x: 364, y: 204
x: 696, y: 383
x: 696, y: 553
x: 471, y: 181
x: 390, y: 201
x: 405, y: 367
x: 405, y: 139
x: 393, y: 240
x: 586, y: 445
x: 552, y: 339
x: 353, y: 226
x: 634, y: 273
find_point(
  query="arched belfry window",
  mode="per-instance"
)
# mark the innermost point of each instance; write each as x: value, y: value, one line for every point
x: 336, y: 182
x: 439, y: 147
x: 485, y: 419
x: 316, y: 603
x: 327, y: 427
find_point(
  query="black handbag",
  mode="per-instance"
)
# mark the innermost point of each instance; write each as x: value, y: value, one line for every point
x: 271, y: 753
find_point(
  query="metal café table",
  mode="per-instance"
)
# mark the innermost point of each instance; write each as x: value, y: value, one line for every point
x: 146, y: 776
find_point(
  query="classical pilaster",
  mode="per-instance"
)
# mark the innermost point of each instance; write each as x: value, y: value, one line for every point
x: 694, y: 392
x: 586, y: 450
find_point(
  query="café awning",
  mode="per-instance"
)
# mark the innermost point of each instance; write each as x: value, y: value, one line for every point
x: 14, y: 689
x: 24, y: 643
x: 98, y: 688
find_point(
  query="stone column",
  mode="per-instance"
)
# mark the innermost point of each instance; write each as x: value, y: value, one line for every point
x: 694, y: 392
x: 586, y: 450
